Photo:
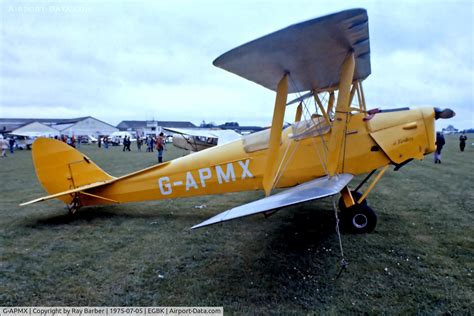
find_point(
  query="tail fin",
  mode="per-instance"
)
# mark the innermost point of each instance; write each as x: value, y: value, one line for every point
x: 60, y: 168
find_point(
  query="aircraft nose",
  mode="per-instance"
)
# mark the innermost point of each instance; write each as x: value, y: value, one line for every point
x: 444, y: 114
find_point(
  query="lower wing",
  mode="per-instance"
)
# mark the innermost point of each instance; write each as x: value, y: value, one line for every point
x: 311, y: 190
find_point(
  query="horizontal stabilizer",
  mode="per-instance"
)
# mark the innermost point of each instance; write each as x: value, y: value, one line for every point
x: 69, y: 192
x: 311, y: 190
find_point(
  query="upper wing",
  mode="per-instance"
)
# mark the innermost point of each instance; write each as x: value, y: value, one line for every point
x: 311, y: 52
x: 311, y: 190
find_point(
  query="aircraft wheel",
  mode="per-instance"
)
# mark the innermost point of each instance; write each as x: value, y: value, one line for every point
x: 356, y: 196
x: 358, y: 219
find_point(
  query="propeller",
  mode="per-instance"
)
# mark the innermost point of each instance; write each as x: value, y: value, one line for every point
x: 444, y: 114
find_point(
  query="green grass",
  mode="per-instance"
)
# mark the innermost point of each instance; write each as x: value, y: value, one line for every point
x: 419, y: 260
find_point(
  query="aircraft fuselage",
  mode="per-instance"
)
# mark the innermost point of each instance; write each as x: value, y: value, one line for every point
x: 393, y: 137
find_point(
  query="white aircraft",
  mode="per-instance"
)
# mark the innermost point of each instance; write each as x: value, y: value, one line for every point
x: 196, y: 139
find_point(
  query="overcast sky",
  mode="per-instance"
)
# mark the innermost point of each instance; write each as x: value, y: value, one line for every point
x: 143, y: 60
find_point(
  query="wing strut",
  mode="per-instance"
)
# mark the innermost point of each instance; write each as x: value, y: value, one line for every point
x: 342, y: 110
x: 275, y: 135
x: 330, y: 103
x: 321, y: 107
x: 299, y: 112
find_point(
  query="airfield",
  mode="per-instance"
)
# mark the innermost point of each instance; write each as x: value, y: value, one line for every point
x: 419, y: 260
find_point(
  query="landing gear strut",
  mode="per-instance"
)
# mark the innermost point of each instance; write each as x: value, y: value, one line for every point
x: 74, y: 205
x: 358, y: 218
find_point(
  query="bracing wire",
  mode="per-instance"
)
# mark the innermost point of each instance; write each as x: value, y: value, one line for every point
x: 325, y: 100
x: 316, y: 147
x: 324, y: 148
x: 281, y: 170
x: 343, y: 262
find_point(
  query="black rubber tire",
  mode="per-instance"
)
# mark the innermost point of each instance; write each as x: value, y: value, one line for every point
x: 358, y: 219
x: 356, y: 195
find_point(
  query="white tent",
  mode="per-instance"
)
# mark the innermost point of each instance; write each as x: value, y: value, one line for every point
x: 35, y: 129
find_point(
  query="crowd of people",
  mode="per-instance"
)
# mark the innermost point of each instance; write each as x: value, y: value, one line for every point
x: 151, y: 142
x: 71, y: 141
x: 159, y: 144
x: 6, y: 144
x: 441, y: 141
x: 126, y: 143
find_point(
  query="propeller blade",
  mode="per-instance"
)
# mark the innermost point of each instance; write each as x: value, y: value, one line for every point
x: 444, y: 114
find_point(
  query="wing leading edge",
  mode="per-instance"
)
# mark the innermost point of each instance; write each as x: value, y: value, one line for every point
x: 311, y: 190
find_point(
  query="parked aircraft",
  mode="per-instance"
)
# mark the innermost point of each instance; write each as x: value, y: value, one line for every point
x: 326, y: 58
x: 196, y: 139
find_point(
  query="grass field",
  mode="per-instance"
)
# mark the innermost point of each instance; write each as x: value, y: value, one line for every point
x: 419, y: 260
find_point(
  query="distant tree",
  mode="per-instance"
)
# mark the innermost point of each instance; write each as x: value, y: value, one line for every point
x: 207, y: 125
x: 231, y: 124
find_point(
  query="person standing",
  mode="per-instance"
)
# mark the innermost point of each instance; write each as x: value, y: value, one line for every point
x: 11, y: 143
x: 152, y: 143
x: 147, y: 141
x: 124, y: 143
x: 462, y: 142
x: 4, y: 146
x: 139, y: 143
x: 106, y: 143
x: 129, y: 142
x: 160, y: 146
x: 440, y: 141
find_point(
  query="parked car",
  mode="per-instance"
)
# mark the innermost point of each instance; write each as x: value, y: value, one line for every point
x: 88, y: 139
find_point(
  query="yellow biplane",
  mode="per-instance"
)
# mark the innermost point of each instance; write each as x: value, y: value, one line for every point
x: 327, y: 59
